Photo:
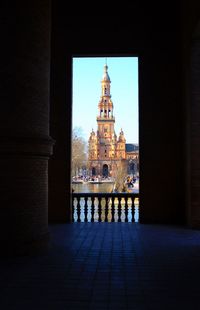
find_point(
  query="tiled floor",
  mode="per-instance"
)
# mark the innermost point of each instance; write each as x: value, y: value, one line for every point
x: 104, y: 266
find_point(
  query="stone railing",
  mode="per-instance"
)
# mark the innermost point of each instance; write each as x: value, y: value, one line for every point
x: 105, y: 207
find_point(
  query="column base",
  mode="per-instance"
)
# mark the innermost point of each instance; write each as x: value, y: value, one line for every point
x: 13, y: 248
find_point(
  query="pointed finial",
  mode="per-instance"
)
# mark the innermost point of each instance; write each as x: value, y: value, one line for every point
x: 105, y: 74
x: 105, y: 66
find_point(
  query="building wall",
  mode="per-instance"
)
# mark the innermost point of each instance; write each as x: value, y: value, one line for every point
x: 190, y: 38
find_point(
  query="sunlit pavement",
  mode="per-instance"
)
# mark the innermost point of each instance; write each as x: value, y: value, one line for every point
x: 104, y: 266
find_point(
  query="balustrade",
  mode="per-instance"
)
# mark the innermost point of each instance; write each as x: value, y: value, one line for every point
x: 105, y: 207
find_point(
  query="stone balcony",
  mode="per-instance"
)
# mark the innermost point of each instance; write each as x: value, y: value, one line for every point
x: 105, y: 207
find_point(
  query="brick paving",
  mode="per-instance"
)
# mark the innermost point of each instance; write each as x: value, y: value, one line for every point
x: 107, y: 266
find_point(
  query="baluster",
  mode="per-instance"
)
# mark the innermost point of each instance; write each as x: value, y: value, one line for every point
x: 126, y: 208
x: 92, y: 209
x: 99, y: 209
x: 113, y: 209
x: 73, y: 209
x: 119, y: 209
x: 133, y: 208
x: 137, y: 210
x: 106, y: 210
x: 78, y: 210
x: 85, y: 209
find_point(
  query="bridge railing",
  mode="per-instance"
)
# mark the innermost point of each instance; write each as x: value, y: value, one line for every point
x: 105, y: 207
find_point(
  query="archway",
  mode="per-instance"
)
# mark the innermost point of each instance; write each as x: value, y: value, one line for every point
x: 93, y: 171
x: 105, y: 170
x: 131, y: 167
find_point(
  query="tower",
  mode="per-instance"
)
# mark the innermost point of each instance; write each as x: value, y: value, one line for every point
x: 105, y: 121
x: 105, y: 150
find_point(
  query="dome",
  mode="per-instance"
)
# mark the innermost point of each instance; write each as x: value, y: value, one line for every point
x: 121, y: 136
x: 92, y: 133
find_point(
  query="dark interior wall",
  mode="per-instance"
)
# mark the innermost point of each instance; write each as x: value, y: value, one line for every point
x: 60, y: 126
x: 161, y: 136
x: 190, y: 42
x: 195, y: 130
x: 139, y: 31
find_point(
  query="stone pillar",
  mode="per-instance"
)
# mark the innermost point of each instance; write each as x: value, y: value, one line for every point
x: 25, y: 142
x: 194, y: 220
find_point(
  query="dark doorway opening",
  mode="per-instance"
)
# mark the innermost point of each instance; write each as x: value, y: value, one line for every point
x: 93, y: 171
x: 105, y: 171
x: 131, y: 168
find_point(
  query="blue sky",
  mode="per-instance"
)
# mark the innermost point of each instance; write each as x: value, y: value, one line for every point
x: 87, y: 75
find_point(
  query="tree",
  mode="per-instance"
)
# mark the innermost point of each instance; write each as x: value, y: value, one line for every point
x: 120, y: 177
x: 79, y: 151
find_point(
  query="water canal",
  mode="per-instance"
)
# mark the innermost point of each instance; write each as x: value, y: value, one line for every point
x: 93, y: 188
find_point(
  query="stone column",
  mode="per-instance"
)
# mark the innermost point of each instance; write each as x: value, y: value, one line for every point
x: 195, y: 132
x: 25, y: 142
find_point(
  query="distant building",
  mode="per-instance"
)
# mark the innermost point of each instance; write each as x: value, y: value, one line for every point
x: 107, y: 152
x: 132, y: 158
